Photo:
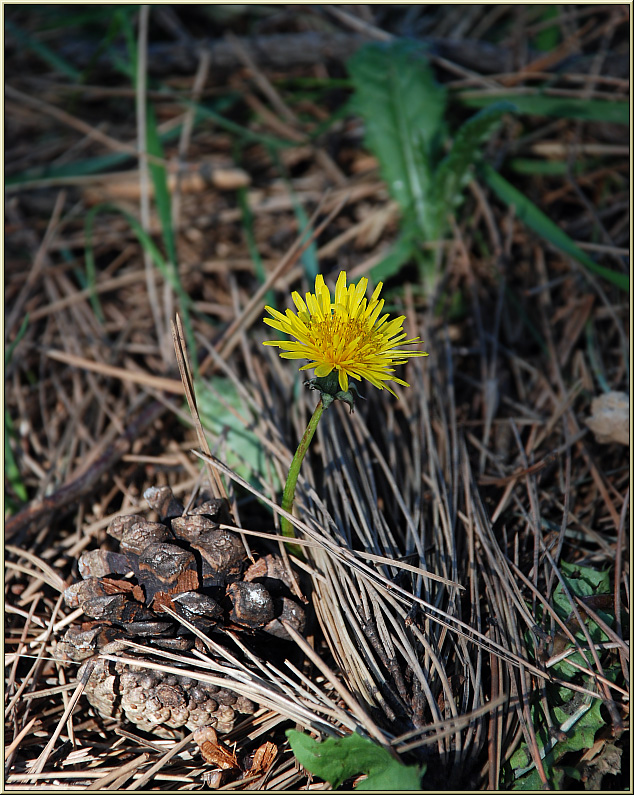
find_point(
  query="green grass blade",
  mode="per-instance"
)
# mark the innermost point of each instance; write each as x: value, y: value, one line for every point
x: 544, y: 168
x: 309, y: 256
x: 11, y: 469
x: 90, y: 18
x: 533, y: 217
x: 158, y: 173
x: 8, y: 354
x: 252, y: 246
x: 559, y: 107
x: 163, y: 202
x: 243, y: 133
x: 28, y: 42
x: 83, y: 168
x: 146, y: 242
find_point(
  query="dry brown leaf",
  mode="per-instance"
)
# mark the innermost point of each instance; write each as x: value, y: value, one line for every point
x: 213, y: 752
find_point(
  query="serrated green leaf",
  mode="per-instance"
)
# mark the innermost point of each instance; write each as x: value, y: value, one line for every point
x: 341, y: 758
x: 539, y: 222
x: 403, y: 108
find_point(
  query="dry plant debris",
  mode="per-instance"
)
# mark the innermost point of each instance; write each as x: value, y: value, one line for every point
x: 484, y: 475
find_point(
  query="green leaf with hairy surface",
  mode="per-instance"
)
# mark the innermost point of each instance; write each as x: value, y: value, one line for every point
x: 341, y: 758
x: 539, y: 222
x: 403, y: 108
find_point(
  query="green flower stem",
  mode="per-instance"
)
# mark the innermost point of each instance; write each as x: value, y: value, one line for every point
x: 293, y: 473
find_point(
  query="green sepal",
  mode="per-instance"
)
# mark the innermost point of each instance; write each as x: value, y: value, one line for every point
x: 328, y: 386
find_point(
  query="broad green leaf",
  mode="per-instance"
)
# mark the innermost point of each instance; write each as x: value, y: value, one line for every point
x: 559, y: 107
x: 338, y: 759
x: 579, y: 736
x: 539, y: 222
x: 223, y: 413
x: 581, y: 581
x: 403, y: 108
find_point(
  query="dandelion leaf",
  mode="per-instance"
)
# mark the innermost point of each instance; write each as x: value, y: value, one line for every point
x: 338, y: 759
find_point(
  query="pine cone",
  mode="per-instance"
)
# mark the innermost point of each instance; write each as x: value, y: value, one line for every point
x: 197, y: 569
x: 157, y: 702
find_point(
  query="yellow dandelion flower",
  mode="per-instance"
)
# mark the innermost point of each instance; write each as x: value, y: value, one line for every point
x: 349, y: 335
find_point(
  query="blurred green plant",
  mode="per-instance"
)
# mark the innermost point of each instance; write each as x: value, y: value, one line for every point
x: 16, y: 492
x: 539, y: 104
x: 549, y: 36
x: 224, y: 413
x: 404, y: 109
x: 339, y: 758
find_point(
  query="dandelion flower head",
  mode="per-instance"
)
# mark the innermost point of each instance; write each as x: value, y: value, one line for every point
x: 348, y: 335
